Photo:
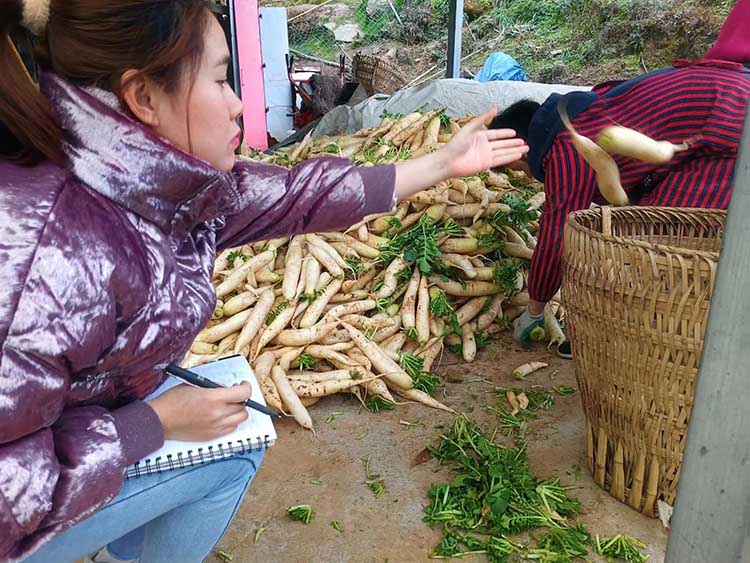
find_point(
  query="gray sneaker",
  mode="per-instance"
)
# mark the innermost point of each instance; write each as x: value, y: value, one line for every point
x: 564, y: 350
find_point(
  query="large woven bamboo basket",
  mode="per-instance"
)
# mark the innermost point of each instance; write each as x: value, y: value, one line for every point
x: 637, y: 289
x: 376, y: 75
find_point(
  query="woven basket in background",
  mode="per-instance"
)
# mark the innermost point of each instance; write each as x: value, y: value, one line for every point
x: 376, y: 75
x: 637, y: 289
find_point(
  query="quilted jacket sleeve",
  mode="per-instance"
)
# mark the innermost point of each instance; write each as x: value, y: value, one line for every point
x: 321, y: 194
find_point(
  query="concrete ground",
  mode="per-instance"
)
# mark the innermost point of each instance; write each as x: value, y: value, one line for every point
x: 326, y: 471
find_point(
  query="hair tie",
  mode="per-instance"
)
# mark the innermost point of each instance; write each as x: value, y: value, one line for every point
x: 36, y: 15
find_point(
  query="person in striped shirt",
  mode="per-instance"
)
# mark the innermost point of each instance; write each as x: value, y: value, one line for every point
x: 702, y: 102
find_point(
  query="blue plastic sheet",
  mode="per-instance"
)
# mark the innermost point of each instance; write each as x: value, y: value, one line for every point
x: 500, y: 66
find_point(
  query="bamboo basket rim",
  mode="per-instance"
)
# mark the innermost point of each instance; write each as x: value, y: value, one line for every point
x: 683, y: 212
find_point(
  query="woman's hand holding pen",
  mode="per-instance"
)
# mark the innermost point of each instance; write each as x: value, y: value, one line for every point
x: 195, y: 414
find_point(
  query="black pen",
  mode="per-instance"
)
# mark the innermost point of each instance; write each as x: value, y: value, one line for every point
x: 199, y: 381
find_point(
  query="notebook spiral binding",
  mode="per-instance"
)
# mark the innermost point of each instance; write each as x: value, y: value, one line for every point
x: 197, y: 456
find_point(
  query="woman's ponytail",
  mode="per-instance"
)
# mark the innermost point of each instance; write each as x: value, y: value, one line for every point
x: 24, y: 112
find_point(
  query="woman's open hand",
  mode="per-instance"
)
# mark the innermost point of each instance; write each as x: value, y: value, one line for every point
x: 474, y: 148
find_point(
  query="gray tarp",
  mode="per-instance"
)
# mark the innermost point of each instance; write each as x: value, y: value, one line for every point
x: 458, y: 96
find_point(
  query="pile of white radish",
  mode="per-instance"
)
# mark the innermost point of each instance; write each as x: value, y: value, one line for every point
x: 322, y: 314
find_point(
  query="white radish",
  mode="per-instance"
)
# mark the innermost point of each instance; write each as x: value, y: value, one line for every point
x: 552, y: 327
x: 430, y: 354
x: 320, y: 377
x: 276, y: 326
x: 384, y: 333
x: 422, y: 397
x: 315, y: 310
x: 453, y: 339
x: 195, y: 360
x: 461, y: 262
x: 315, y: 240
x: 494, y: 311
x: 390, y: 282
x: 225, y: 328
x: 199, y: 347
x: 326, y: 260
x: 349, y: 309
x: 227, y: 343
x: 485, y: 273
x: 512, y: 236
x: 460, y: 245
x: 408, y: 308
x: 378, y: 388
x: 262, y: 369
x: 382, y: 224
x: 324, y: 388
x: 357, y: 355
x: 519, y: 300
x: 292, y: 269
x: 362, y: 232
x: 423, y: 312
x: 337, y: 337
x: 286, y: 359
x: 251, y: 280
x: 222, y: 260
x: 363, y: 280
x: 437, y: 326
x: 616, y: 139
x: 607, y: 172
x: 537, y: 201
x: 337, y: 359
x: 361, y: 247
x: 237, y: 277
x: 345, y: 251
x: 356, y: 295
x: 239, y: 303
x: 290, y: 399
x: 468, y: 343
x: 468, y: 289
x: 475, y: 210
x: 522, y: 371
x: 323, y: 280
x: 255, y: 320
x: 518, y: 250
x: 470, y: 310
x: 305, y: 336
x: 311, y: 270
x: 392, y: 346
x: 382, y: 363
x: 513, y: 313
x: 368, y: 323
x: 264, y: 275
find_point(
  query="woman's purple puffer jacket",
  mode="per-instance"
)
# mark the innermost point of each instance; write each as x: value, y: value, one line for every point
x: 106, y: 270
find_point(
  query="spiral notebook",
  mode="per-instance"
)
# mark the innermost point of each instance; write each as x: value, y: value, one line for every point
x: 255, y: 434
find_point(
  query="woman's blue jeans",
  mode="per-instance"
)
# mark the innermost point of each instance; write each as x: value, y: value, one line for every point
x: 177, y: 515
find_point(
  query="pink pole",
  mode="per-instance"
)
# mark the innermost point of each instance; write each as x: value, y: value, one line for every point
x: 251, y: 73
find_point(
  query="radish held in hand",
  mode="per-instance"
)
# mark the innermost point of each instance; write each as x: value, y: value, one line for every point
x: 628, y: 142
x: 607, y: 173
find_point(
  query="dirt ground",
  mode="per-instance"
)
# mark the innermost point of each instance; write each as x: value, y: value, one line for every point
x: 326, y: 472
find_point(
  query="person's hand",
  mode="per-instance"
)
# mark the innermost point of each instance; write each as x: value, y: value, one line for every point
x: 475, y: 149
x: 528, y: 328
x: 196, y: 415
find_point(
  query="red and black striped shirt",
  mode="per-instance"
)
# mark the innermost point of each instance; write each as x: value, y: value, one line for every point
x: 708, y: 98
